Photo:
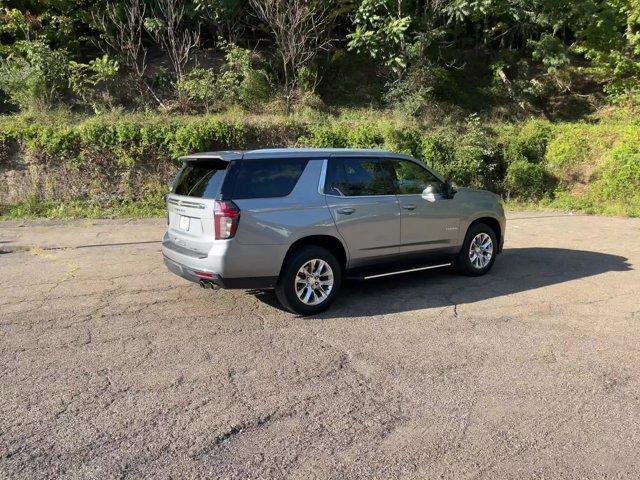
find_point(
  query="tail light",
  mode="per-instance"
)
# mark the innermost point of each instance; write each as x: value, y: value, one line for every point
x: 226, y: 216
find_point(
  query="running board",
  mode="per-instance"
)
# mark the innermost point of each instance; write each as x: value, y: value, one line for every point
x: 398, y: 272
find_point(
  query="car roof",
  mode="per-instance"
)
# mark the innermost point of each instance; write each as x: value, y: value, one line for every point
x: 231, y: 155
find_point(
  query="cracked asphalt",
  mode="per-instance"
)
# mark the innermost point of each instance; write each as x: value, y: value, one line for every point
x: 111, y: 367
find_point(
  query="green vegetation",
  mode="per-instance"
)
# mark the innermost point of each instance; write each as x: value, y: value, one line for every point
x: 36, y: 208
x: 535, y: 100
x: 120, y: 165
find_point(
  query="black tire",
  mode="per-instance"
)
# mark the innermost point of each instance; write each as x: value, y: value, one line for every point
x: 463, y: 262
x: 286, y: 288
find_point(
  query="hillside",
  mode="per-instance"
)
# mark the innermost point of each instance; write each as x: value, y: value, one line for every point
x: 120, y: 165
x: 535, y: 101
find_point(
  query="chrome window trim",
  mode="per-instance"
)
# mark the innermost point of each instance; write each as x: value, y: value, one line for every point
x: 358, y: 196
x: 323, y: 178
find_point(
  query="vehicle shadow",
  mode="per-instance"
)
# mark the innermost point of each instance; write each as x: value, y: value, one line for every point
x: 516, y: 270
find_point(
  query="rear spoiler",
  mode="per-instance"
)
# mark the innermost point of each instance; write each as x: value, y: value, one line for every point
x: 225, y: 156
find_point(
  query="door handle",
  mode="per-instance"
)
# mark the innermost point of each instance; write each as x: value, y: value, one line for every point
x: 409, y: 206
x: 346, y: 211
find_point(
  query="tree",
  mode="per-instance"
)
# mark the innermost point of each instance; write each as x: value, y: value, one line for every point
x: 226, y: 16
x: 170, y: 30
x: 122, y: 30
x: 381, y: 33
x: 300, y: 30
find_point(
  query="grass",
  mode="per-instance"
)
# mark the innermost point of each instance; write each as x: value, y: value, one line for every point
x: 34, y: 209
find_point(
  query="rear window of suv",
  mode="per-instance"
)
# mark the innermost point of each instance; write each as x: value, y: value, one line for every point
x: 201, y: 179
x: 266, y: 178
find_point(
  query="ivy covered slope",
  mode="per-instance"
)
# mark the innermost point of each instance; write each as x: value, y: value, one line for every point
x: 121, y: 165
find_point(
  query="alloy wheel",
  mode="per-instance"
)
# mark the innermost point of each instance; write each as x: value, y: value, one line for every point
x: 481, y: 250
x: 314, y: 282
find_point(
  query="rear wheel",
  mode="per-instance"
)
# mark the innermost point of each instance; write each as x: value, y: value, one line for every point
x: 478, y: 251
x: 309, y: 281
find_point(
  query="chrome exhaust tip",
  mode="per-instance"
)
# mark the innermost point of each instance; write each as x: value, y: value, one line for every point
x: 208, y: 284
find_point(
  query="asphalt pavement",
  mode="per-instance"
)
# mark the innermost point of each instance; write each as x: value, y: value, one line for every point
x: 111, y: 367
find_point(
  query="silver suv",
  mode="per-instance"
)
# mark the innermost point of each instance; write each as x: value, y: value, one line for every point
x: 302, y: 220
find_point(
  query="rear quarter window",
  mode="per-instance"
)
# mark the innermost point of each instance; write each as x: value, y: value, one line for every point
x: 201, y: 179
x: 266, y: 178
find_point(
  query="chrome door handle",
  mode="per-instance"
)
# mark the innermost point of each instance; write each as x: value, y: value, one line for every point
x: 409, y: 206
x: 346, y: 211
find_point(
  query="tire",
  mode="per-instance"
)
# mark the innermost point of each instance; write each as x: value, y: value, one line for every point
x: 474, y: 263
x: 323, y: 267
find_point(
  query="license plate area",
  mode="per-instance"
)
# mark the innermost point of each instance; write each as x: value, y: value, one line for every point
x: 185, y: 223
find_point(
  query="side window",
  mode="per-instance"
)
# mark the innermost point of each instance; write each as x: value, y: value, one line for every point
x: 266, y: 178
x: 411, y: 178
x: 358, y: 177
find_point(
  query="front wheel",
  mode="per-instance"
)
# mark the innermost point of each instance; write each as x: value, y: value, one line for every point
x: 478, y: 251
x: 309, y: 281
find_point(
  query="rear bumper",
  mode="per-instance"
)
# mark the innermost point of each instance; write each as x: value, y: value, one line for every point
x: 189, y: 273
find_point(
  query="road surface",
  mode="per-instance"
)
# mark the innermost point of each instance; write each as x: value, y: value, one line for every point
x: 112, y: 367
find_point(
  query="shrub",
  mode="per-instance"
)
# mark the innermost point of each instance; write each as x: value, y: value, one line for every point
x: 307, y: 79
x: 437, y: 151
x: 412, y: 95
x: 526, y: 180
x: 365, y: 136
x: 92, y: 82
x: 617, y: 187
x: 325, y: 136
x: 570, y: 146
x: 200, y: 89
x: 254, y: 88
x: 470, y: 157
x: 238, y: 82
x: 404, y: 140
x: 529, y: 142
x: 34, y: 76
x: 114, y: 164
x: 621, y: 174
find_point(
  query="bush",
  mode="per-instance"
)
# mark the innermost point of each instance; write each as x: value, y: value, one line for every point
x: 115, y: 164
x: 616, y: 188
x: 325, y: 136
x: 468, y: 156
x: 201, y: 89
x: 437, y: 151
x: 34, y: 76
x: 254, y: 88
x: 93, y: 82
x: 412, y: 95
x: 526, y: 180
x: 529, y: 142
x: 110, y: 161
x: 620, y: 176
x: 404, y: 140
x: 570, y: 147
x: 238, y: 82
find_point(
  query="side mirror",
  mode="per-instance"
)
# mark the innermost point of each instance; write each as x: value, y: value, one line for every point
x: 429, y: 193
x: 450, y: 188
